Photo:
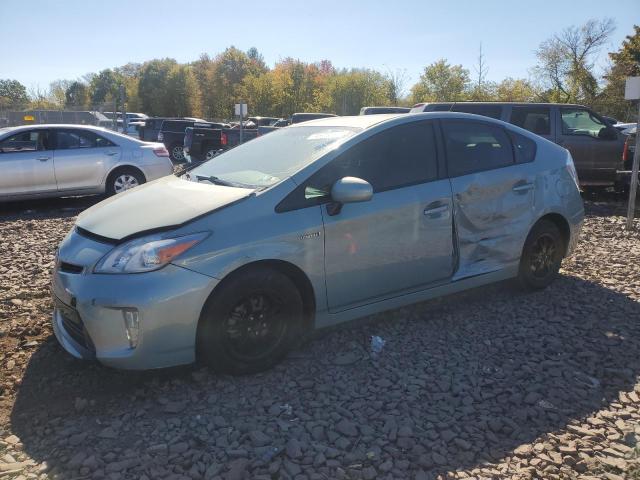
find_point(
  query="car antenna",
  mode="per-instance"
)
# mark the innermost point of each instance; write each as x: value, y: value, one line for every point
x: 452, y: 105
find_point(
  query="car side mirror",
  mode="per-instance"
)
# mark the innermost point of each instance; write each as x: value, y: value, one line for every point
x: 348, y: 190
x: 608, y: 133
x: 351, y: 190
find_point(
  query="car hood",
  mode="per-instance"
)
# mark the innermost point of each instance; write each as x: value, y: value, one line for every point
x: 167, y: 202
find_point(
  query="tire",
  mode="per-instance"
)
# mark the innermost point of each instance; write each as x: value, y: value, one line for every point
x: 541, y: 256
x: 210, y: 153
x: 176, y: 152
x: 222, y: 341
x: 124, y: 179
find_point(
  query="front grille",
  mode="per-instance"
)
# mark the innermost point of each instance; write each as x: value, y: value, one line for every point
x: 67, y: 267
x: 72, y: 324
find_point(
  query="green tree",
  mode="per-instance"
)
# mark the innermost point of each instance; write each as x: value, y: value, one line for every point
x: 152, y: 87
x: 350, y: 90
x: 566, y: 61
x: 104, y: 86
x: 12, y: 94
x: 58, y: 90
x: 515, y: 90
x: 441, y: 82
x: 624, y: 63
x: 76, y: 95
x: 182, y: 93
x: 228, y: 71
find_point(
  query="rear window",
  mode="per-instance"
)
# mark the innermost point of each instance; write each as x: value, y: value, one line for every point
x: 492, y: 111
x: 475, y: 146
x: 172, y: 126
x: 534, y: 119
x: 524, y: 148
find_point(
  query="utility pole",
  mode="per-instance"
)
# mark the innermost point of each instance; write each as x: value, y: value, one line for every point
x: 632, y: 92
x: 124, y: 113
x: 634, y: 175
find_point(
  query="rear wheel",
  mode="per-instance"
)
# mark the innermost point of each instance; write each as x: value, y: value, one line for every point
x: 250, y: 322
x: 541, y: 256
x: 123, y: 179
x: 177, y: 152
x: 212, y: 152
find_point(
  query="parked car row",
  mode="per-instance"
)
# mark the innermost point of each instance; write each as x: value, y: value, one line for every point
x: 602, y: 154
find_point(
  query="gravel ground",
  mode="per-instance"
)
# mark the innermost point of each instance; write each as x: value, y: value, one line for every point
x: 491, y: 383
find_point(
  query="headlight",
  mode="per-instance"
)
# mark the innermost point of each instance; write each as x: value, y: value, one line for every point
x: 147, y: 254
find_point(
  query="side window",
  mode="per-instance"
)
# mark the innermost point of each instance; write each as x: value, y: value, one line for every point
x: 579, y: 121
x: 534, y: 119
x: 399, y: 156
x: 29, y: 141
x: 492, y: 111
x: 475, y: 146
x: 524, y: 148
x: 73, y: 139
x: 103, y: 142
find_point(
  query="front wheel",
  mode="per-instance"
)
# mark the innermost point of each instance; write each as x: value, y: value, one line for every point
x: 250, y: 322
x: 541, y: 256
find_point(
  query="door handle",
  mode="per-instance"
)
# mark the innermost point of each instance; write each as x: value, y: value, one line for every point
x: 523, y: 187
x: 43, y: 159
x: 435, y: 210
x: 111, y: 154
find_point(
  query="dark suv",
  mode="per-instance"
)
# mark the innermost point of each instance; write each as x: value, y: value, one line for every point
x: 596, y: 147
x: 172, y: 135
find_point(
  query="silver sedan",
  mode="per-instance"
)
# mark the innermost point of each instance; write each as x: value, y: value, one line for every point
x: 63, y: 160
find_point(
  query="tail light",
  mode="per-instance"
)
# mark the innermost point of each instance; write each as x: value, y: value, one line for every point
x: 160, y: 137
x: 161, y: 152
x: 571, y: 168
x: 223, y: 139
x: 625, y: 149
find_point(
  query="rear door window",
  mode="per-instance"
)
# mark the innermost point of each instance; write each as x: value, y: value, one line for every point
x: 534, y: 119
x: 524, y: 148
x: 475, y: 147
x: 73, y: 139
x: 492, y: 111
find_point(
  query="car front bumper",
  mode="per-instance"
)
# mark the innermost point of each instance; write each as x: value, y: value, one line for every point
x: 91, y: 312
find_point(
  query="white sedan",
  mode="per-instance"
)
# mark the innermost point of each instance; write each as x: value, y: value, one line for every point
x: 63, y: 160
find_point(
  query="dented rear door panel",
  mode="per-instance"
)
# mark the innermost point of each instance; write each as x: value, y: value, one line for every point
x: 493, y: 211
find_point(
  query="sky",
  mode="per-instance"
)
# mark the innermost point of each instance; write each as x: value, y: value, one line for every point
x: 42, y: 41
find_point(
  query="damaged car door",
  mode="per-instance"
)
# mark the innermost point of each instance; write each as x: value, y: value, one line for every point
x: 401, y: 239
x: 493, y: 194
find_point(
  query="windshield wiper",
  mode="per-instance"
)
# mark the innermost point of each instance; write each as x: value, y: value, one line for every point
x: 218, y: 181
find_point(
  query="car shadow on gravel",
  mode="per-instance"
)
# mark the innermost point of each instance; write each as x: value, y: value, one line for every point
x: 461, y: 382
x: 47, y: 207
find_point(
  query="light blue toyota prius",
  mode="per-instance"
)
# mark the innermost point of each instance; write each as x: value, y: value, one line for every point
x: 309, y: 226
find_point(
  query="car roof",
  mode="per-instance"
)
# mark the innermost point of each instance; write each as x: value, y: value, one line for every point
x: 537, y: 104
x: 368, y: 121
x: 52, y: 125
x: 362, y: 121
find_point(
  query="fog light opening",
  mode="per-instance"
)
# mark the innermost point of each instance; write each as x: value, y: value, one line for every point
x: 131, y: 326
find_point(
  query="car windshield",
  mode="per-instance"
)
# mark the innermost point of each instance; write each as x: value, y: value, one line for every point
x: 273, y: 157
